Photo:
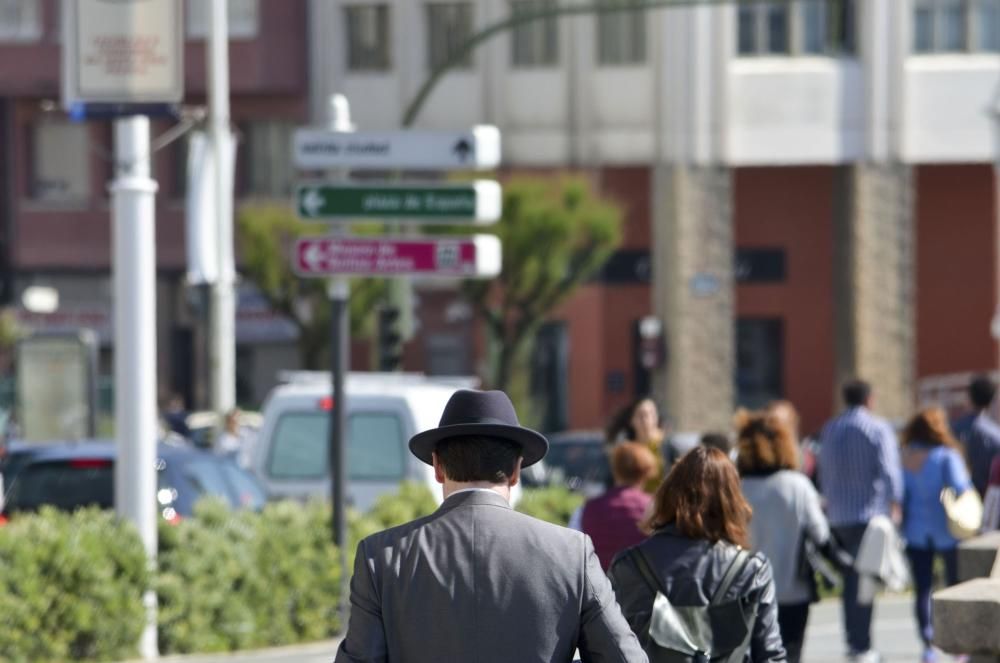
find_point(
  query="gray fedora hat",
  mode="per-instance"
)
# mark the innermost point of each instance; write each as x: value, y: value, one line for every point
x: 487, y: 413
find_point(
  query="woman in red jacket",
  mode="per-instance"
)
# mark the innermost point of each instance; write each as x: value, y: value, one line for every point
x: 612, y: 520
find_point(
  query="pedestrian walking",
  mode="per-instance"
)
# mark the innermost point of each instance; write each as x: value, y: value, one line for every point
x: 991, y: 502
x: 860, y: 478
x: 231, y: 441
x: 932, y: 461
x: 691, y: 589
x: 477, y: 580
x: 788, y: 514
x: 612, y: 520
x: 979, y: 434
x: 640, y: 422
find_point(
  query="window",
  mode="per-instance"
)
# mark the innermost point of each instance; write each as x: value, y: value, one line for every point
x: 267, y: 159
x: 243, y: 17
x: 299, y: 449
x: 20, y: 20
x: 449, y: 26
x: 535, y: 43
x: 65, y: 485
x: 375, y: 446
x: 621, y: 33
x: 60, y: 162
x: 956, y: 26
x: 759, y: 361
x: 368, y: 37
x: 777, y: 27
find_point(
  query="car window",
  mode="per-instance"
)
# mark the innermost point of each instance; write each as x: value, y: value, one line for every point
x: 375, y: 446
x: 299, y: 450
x: 205, y: 477
x: 249, y: 493
x: 66, y: 485
x: 581, y: 460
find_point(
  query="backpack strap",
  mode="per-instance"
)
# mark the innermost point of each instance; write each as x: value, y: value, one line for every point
x: 642, y: 564
x: 736, y: 567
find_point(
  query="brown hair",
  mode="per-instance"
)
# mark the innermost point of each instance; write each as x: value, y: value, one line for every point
x: 701, y: 497
x: 930, y: 426
x: 765, y: 444
x: 632, y: 464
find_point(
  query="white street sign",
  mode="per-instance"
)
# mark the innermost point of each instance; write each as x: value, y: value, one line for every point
x: 126, y: 51
x: 319, y: 149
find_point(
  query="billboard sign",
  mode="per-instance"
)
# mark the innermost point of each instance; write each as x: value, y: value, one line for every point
x: 122, y: 51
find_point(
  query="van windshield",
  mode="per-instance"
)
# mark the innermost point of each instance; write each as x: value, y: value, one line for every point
x: 376, y: 450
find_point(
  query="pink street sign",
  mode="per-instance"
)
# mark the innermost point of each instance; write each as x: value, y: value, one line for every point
x: 477, y: 256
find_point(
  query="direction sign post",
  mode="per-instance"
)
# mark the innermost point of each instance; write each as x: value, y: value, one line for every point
x: 478, y: 202
x: 318, y: 149
x: 475, y: 257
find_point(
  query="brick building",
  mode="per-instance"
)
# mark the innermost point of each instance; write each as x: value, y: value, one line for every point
x: 55, y: 227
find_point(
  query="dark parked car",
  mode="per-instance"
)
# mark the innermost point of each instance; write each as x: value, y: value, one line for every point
x: 577, y: 460
x: 71, y: 475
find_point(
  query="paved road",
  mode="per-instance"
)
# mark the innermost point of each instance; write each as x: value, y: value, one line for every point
x: 895, y: 636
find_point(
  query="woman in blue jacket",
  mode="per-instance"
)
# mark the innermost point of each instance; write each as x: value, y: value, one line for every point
x: 932, y: 461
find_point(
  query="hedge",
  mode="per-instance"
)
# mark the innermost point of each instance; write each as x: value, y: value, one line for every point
x: 71, y: 587
x: 71, y: 584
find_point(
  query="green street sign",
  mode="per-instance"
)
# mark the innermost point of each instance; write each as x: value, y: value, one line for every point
x: 475, y: 202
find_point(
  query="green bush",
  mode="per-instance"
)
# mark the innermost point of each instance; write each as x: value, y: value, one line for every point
x: 71, y: 587
x: 554, y: 504
x: 262, y: 579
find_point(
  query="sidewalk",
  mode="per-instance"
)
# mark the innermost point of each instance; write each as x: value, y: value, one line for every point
x: 314, y: 652
x: 893, y: 632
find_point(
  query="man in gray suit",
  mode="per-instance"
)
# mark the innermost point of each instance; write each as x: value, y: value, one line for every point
x: 477, y: 581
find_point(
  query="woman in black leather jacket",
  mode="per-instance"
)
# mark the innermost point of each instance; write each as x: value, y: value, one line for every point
x: 698, y: 527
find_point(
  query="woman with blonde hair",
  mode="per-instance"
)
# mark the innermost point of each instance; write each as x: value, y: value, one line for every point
x: 931, y: 462
x: 767, y: 457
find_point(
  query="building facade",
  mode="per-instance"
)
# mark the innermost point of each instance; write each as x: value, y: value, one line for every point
x: 55, y: 227
x: 808, y: 187
x: 811, y: 183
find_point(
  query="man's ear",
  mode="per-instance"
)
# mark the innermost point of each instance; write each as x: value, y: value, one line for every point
x: 515, y: 476
x: 438, y: 470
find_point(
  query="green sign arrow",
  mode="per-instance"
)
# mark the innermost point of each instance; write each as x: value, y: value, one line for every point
x: 477, y: 202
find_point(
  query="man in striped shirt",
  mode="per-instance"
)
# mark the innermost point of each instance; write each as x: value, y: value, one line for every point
x: 860, y: 477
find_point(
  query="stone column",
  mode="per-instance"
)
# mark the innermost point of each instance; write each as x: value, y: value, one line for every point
x: 874, y: 283
x: 693, y: 293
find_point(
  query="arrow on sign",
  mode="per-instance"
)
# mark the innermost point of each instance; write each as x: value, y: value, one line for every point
x: 312, y: 201
x: 462, y: 149
x: 312, y: 257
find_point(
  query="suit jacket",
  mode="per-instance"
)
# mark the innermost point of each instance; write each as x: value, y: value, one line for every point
x: 478, y: 581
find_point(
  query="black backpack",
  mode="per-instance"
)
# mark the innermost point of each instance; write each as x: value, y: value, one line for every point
x: 718, y: 632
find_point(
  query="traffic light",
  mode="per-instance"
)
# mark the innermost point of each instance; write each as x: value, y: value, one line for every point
x: 390, y: 339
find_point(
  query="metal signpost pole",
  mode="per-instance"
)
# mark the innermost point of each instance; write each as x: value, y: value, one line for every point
x: 132, y: 209
x: 222, y: 317
x: 338, y: 290
x: 130, y: 61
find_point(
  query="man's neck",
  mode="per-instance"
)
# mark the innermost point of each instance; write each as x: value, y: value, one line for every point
x: 452, y: 487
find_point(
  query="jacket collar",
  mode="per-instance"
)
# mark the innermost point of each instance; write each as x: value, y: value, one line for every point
x: 474, y: 498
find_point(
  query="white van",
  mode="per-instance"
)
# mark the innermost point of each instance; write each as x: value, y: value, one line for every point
x: 384, y: 410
